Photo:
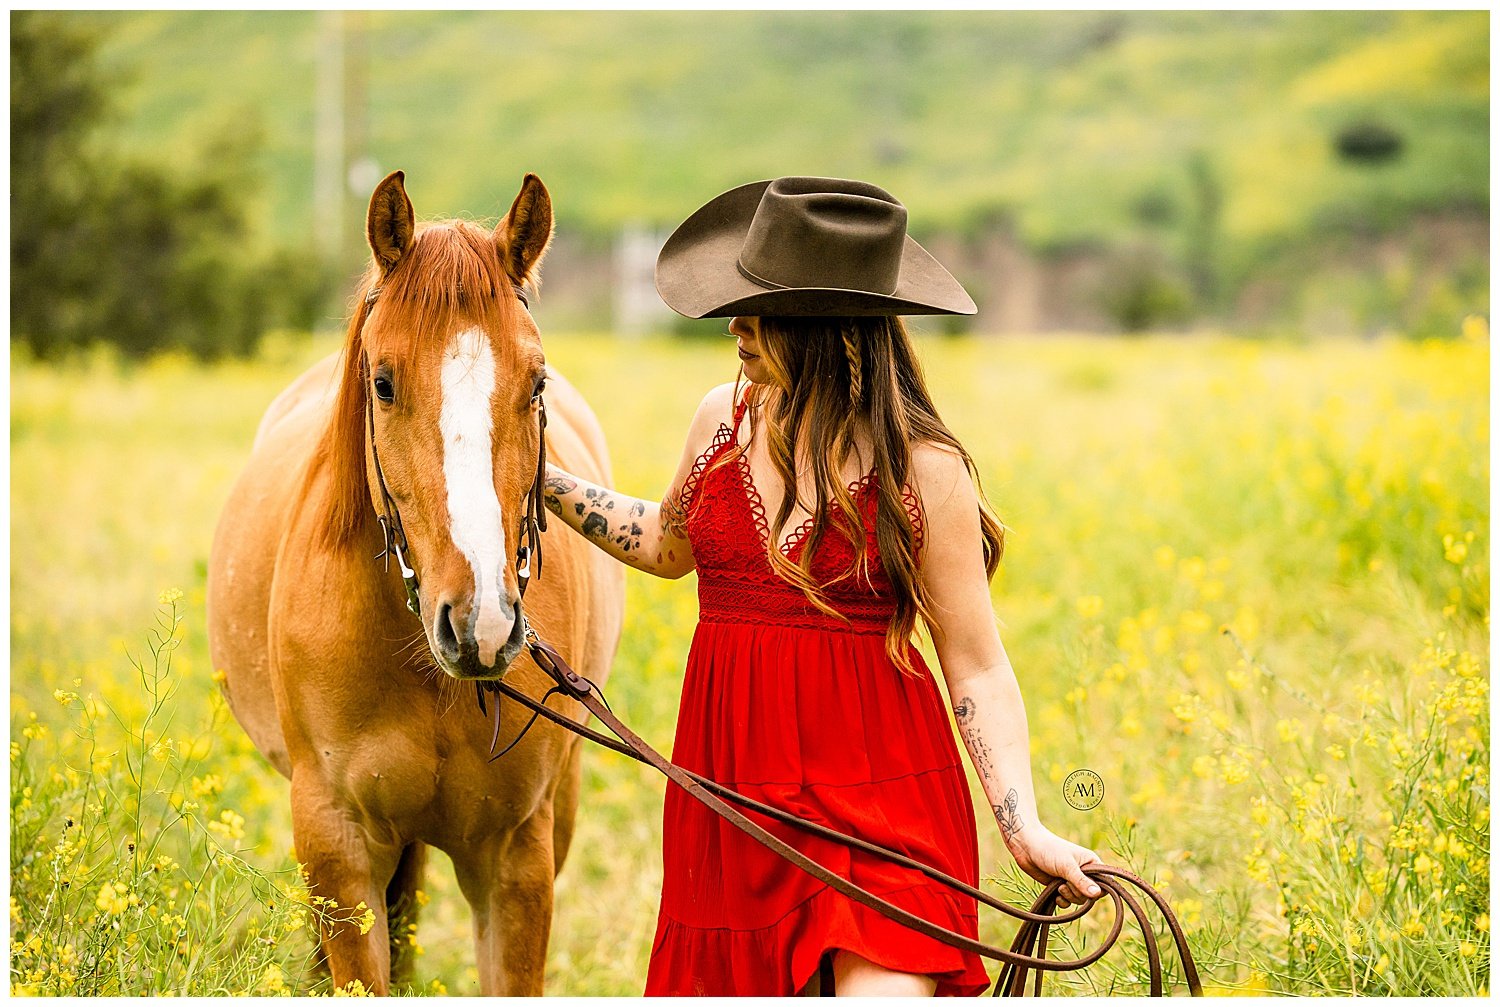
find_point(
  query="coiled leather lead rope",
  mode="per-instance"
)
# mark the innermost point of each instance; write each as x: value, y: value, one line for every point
x: 1028, y: 950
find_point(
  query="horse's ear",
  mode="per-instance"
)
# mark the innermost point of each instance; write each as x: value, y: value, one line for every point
x: 526, y: 231
x: 390, y: 223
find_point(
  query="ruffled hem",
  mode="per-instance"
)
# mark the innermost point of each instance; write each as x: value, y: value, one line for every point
x: 778, y: 960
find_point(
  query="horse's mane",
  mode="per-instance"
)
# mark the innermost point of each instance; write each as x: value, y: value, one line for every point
x: 452, y: 272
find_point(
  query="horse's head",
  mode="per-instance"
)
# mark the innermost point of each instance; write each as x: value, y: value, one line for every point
x: 439, y: 400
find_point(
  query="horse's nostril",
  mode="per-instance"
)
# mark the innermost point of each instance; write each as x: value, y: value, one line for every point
x: 445, y: 632
x: 517, y: 628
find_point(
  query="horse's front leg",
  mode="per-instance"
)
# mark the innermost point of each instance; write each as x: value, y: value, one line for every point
x: 507, y: 881
x: 346, y: 865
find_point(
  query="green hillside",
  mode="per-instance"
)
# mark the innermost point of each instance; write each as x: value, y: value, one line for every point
x: 1068, y: 122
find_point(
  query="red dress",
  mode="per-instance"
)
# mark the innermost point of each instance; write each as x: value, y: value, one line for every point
x: 785, y: 704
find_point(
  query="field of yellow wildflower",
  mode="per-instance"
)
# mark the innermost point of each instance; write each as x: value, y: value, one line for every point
x: 1247, y: 584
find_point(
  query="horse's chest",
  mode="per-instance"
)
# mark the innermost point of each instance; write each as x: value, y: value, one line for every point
x: 421, y: 791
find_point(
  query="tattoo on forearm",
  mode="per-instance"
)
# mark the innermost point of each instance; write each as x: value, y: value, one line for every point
x: 673, y: 519
x: 963, y: 713
x: 609, y: 519
x: 1009, y: 814
x: 602, y: 522
x: 553, y: 489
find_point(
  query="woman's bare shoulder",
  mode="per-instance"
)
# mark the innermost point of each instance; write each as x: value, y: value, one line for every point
x: 939, y: 474
x: 717, y: 407
x: 719, y: 401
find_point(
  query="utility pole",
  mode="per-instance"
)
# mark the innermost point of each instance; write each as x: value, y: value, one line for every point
x: 328, y: 139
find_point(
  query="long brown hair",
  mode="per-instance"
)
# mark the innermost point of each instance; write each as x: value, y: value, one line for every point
x: 829, y: 374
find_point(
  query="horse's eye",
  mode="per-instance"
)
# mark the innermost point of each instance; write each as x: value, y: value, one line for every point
x: 541, y: 386
x: 384, y: 390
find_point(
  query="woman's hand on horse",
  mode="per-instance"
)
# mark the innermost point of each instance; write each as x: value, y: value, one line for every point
x: 1044, y: 855
x: 628, y: 528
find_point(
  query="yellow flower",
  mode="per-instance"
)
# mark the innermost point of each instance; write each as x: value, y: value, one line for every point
x: 1335, y: 752
x: 1245, y: 624
x: 1233, y: 770
x: 1482, y: 923
x: 170, y: 596
x: 207, y: 786
x: 1186, y: 707
x: 1192, y: 569
x: 353, y: 988
x: 1454, y: 551
x: 1475, y: 328
x: 366, y: 920
x: 229, y: 826
x: 113, y: 898
x: 64, y: 697
x: 1166, y: 558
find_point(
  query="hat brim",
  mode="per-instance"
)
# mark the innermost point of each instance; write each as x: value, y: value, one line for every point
x: 697, y: 276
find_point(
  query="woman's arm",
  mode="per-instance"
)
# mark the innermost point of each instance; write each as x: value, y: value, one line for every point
x: 982, y: 686
x: 647, y: 535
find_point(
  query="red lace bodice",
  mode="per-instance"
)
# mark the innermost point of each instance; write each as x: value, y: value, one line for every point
x: 727, y: 525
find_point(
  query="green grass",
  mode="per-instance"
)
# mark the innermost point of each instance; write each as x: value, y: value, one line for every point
x: 1247, y: 584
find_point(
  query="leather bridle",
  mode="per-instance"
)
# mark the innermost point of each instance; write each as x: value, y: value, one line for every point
x: 1027, y: 951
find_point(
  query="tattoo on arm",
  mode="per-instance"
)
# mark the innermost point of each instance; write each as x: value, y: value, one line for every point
x: 553, y: 488
x: 963, y: 713
x: 614, y: 521
x: 603, y: 522
x: 1009, y: 814
x: 673, y: 518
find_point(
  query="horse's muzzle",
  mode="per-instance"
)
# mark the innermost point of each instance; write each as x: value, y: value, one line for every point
x: 457, y: 650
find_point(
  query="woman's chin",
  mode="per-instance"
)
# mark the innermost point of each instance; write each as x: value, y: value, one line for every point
x: 755, y: 371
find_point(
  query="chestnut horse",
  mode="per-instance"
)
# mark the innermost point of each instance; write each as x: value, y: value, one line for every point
x: 435, y: 395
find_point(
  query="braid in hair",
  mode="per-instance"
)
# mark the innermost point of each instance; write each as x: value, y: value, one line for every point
x: 856, y: 371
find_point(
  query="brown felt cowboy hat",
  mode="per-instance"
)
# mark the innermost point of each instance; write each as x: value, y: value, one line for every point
x: 803, y: 246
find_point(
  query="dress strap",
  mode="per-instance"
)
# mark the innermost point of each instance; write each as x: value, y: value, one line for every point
x: 739, y: 410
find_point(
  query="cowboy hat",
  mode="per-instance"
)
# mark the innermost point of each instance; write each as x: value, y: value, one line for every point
x: 803, y: 246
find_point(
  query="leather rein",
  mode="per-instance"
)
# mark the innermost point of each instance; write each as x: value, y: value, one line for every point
x: 1028, y: 951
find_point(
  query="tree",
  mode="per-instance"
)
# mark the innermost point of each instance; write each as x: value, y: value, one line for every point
x: 108, y: 249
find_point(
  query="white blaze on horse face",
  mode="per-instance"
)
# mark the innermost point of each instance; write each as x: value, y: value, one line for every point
x: 466, y: 422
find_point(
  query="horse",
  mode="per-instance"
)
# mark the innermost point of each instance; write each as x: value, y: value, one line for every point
x: 430, y: 418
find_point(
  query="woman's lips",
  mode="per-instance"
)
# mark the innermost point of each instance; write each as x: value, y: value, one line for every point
x: 744, y: 355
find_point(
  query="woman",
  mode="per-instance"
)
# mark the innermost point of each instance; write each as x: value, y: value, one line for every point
x: 802, y: 687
